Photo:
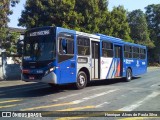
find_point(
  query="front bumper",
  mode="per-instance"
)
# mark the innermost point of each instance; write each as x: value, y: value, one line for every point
x: 50, y: 78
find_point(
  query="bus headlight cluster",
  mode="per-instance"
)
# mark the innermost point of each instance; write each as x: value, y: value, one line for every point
x: 50, y: 70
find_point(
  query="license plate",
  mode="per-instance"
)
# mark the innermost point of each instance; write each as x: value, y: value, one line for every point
x: 31, y: 78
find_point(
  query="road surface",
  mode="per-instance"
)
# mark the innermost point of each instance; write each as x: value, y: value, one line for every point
x: 140, y: 94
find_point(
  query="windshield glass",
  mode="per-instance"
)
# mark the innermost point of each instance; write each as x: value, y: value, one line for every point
x: 39, y: 48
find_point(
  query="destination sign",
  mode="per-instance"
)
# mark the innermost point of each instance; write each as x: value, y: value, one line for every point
x: 40, y: 33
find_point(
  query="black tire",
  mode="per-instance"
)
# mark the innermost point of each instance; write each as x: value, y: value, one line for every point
x: 128, y: 75
x: 81, y: 80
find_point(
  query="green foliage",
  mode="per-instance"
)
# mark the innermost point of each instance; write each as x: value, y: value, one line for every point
x: 5, y: 11
x: 50, y: 13
x: 93, y: 13
x: 10, y: 42
x: 152, y: 14
x: 119, y: 24
x: 139, y: 28
x: 4, y: 32
x: 153, y: 21
x: 83, y: 15
x: 93, y: 16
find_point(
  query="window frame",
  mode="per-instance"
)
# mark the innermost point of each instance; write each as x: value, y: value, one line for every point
x: 136, y: 52
x: 64, y: 57
x: 81, y: 37
x: 142, y: 53
x: 128, y: 51
x: 67, y: 39
x: 107, y: 49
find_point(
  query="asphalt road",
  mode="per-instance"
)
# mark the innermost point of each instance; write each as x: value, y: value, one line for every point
x: 140, y: 94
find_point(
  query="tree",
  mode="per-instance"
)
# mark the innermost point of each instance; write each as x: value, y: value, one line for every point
x: 4, y: 12
x: 152, y: 15
x: 139, y: 28
x: 10, y: 43
x: 153, y: 21
x: 119, y: 24
x: 84, y: 15
x: 39, y: 13
x: 93, y: 13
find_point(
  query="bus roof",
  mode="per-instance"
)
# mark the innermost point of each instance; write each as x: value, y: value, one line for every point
x: 118, y: 40
x: 97, y: 35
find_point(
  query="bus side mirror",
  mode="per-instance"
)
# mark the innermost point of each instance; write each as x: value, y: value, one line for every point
x: 20, y: 44
x: 64, y: 46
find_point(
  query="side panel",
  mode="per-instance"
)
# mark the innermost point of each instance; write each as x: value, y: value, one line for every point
x: 66, y: 63
x: 67, y: 71
x: 111, y: 64
x: 110, y: 68
x: 85, y: 61
x: 143, y: 66
x: 138, y: 65
x: 106, y: 67
x: 128, y: 62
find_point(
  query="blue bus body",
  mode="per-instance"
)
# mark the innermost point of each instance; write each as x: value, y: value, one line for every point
x: 60, y: 56
x: 136, y: 64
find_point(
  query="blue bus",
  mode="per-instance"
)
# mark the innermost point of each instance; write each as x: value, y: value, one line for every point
x: 57, y: 55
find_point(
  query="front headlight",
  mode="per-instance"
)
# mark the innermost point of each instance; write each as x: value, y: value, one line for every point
x: 50, y: 70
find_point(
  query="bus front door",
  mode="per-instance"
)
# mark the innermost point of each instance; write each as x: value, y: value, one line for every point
x: 95, y: 60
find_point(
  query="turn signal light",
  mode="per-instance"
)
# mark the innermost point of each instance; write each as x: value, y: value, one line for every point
x: 25, y: 71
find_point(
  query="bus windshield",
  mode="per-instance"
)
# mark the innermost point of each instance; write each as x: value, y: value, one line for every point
x: 39, y: 48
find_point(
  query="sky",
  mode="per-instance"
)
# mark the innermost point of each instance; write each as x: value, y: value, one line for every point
x: 129, y: 5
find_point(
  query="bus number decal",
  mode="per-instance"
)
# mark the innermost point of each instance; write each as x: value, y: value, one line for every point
x: 129, y: 61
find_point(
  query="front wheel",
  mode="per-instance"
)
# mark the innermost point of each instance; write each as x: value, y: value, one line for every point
x: 128, y: 75
x: 81, y: 80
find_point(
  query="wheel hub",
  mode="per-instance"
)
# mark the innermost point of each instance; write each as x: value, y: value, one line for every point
x: 81, y: 80
x: 129, y: 75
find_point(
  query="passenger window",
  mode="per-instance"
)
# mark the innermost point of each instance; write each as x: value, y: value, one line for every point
x: 65, y: 46
x: 107, y: 49
x: 83, y: 44
x: 142, y: 53
x: 128, y: 51
x: 136, y: 52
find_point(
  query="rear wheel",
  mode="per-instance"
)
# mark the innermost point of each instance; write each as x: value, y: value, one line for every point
x: 128, y: 75
x: 81, y: 80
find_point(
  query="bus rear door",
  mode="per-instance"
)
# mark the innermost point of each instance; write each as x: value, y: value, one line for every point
x: 118, y: 61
